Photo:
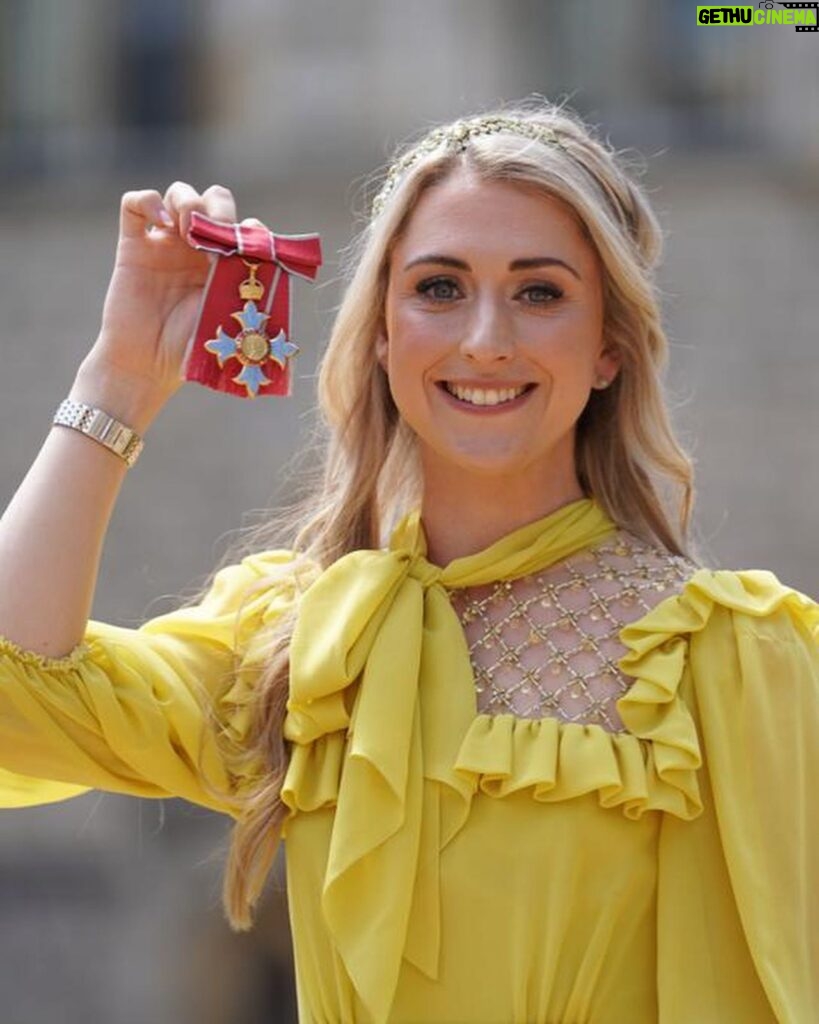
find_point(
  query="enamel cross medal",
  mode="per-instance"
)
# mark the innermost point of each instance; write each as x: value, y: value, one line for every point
x: 252, y: 347
x: 254, y: 359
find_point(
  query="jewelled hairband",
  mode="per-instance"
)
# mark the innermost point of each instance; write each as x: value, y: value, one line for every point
x: 458, y: 135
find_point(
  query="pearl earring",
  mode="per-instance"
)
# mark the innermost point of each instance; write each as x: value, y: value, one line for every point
x: 602, y: 382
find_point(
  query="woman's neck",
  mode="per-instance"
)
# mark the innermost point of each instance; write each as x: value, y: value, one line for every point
x: 471, y: 512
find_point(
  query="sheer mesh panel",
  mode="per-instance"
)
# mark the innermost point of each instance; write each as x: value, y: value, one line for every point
x: 546, y: 645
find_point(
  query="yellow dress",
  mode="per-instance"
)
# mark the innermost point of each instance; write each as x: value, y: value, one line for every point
x: 449, y: 866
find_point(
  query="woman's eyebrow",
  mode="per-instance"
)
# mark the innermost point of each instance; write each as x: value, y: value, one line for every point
x: 522, y: 264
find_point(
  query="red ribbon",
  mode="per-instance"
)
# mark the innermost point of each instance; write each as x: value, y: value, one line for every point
x: 278, y: 257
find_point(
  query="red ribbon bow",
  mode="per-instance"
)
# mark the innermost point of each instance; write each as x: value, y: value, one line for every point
x: 248, y: 340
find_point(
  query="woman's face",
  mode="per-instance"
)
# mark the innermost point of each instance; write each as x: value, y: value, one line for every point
x: 493, y: 287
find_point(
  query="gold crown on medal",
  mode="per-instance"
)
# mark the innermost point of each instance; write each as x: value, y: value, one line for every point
x: 458, y: 135
x: 251, y: 287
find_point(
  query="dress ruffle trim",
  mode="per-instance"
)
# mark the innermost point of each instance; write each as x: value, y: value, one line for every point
x: 314, y: 773
x: 275, y: 593
x: 43, y: 662
x: 557, y: 760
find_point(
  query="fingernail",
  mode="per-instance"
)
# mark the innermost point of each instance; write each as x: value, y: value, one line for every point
x: 166, y: 218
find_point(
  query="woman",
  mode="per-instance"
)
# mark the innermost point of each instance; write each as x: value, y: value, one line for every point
x: 531, y: 760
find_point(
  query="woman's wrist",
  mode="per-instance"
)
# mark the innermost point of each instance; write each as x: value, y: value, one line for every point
x: 134, y: 402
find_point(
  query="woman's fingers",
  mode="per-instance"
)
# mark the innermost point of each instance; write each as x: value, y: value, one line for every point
x: 180, y: 199
x: 216, y: 202
x: 143, y: 207
x: 219, y: 203
x: 138, y: 209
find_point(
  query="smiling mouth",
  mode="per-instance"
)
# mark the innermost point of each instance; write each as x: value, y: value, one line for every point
x: 484, y: 396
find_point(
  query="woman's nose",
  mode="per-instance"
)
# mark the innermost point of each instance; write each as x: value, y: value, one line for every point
x: 488, y: 335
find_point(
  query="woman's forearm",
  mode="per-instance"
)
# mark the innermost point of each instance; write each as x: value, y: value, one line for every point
x: 52, y: 533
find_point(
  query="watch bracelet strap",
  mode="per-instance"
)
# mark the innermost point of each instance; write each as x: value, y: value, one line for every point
x: 96, y: 423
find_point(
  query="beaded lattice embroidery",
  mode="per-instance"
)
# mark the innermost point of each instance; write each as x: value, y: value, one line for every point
x: 546, y: 645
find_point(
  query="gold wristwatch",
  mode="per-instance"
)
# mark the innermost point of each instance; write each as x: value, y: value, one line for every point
x: 118, y: 438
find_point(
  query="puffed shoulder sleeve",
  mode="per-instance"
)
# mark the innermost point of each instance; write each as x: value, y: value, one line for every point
x: 740, y: 889
x: 125, y: 711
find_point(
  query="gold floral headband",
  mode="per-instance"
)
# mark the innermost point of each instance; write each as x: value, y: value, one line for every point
x: 458, y: 135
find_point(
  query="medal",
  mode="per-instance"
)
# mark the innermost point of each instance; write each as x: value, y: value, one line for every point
x: 252, y: 346
x: 249, y: 283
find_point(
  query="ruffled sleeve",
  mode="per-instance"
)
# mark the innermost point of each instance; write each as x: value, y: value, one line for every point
x: 738, y: 910
x: 126, y: 710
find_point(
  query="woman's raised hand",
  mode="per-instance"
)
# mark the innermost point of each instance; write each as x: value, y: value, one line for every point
x: 156, y: 287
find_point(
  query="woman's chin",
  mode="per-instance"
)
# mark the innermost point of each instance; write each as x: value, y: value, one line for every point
x: 482, y: 462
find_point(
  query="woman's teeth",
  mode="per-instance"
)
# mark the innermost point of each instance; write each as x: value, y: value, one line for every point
x: 484, y: 396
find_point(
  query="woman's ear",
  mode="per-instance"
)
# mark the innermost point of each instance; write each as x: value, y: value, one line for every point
x: 382, y: 348
x: 609, y: 363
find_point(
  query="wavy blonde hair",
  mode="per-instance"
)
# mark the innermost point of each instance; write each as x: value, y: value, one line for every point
x: 367, y: 470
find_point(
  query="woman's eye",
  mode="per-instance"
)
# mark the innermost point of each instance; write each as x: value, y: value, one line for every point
x: 439, y: 288
x: 442, y: 289
x: 543, y: 293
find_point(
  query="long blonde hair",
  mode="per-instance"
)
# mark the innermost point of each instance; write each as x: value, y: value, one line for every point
x: 367, y: 472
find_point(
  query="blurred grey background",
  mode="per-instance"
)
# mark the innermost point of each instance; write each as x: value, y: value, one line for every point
x: 110, y: 906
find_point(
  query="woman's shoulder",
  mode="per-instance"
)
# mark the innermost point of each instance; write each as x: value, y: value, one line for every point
x: 757, y: 605
x: 280, y: 569
x: 715, y: 607
x: 648, y: 574
x: 242, y: 594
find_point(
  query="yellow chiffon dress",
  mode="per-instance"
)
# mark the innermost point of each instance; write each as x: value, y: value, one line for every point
x: 449, y: 865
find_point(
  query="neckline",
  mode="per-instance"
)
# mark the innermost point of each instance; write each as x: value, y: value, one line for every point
x: 527, y: 722
x: 530, y: 724
x: 535, y: 545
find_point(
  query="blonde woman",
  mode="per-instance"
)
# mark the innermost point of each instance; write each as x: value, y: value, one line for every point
x: 530, y: 758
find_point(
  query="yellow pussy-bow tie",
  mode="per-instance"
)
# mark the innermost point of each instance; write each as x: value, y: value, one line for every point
x: 384, y: 618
